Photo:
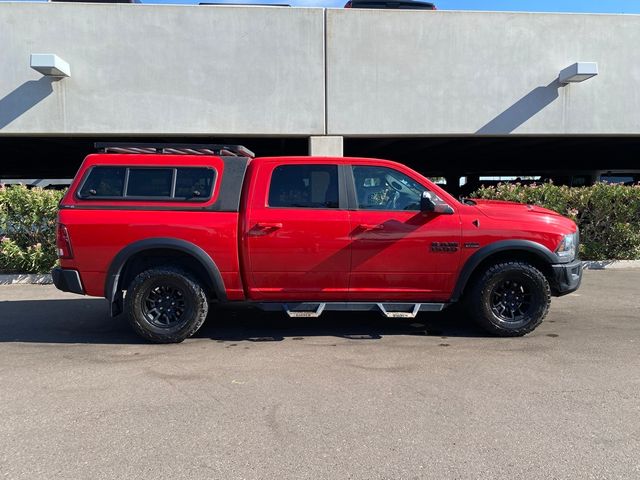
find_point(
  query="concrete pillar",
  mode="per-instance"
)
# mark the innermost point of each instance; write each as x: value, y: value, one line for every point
x: 326, y: 146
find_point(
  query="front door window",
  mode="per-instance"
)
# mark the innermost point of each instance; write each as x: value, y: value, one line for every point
x: 382, y: 188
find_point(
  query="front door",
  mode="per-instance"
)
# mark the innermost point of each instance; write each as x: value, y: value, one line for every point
x: 297, y: 234
x: 398, y: 252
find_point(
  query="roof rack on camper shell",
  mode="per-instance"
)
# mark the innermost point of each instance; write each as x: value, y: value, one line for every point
x: 176, y: 149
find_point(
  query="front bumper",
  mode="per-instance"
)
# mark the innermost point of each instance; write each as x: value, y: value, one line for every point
x: 567, y: 277
x: 67, y: 280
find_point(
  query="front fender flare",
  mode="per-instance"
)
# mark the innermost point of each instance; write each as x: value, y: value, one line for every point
x: 537, y: 249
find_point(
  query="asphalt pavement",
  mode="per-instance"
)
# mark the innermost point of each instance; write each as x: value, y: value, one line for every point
x: 346, y: 396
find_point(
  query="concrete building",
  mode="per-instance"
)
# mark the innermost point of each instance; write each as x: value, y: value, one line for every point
x: 448, y: 92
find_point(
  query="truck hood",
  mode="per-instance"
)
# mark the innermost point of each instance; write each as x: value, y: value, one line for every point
x: 500, y: 209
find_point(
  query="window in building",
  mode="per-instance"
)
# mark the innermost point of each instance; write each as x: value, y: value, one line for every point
x: 618, y: 178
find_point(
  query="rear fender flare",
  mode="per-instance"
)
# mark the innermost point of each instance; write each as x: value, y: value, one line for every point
x: 113, y: 289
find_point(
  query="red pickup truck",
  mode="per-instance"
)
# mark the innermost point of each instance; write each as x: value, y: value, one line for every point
x: 164, y: 231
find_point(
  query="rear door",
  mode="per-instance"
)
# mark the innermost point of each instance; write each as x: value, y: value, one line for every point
x: 298, y: 233
x: 398, y: 252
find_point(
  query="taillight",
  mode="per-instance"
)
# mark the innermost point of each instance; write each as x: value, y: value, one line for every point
x: 63, y: 242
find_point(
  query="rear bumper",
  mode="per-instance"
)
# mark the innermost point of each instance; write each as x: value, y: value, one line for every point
x: 567, y: 276
x: 67, y: 280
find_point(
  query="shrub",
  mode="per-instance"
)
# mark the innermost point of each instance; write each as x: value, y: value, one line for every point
x: 608, y: 215
x: 27, y: 229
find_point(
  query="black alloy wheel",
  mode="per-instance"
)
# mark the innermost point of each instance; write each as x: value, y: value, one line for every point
x: 509, y: 299
x: 166, y: 304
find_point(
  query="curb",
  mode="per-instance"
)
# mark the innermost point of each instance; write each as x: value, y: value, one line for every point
x: 611, y: 264
x: 45, y: 279
x: 26, y: 279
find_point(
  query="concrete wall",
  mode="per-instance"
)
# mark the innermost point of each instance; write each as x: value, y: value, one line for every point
x: 194, y: 70
x: 416, y: 73
x: 163, y: 69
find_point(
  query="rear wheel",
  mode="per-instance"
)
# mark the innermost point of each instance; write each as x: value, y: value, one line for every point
x: 166, y: 305
x: 510, y: 299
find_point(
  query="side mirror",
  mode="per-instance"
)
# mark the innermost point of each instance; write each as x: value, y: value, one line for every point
x: 444, y: 209
x: 428, y: 205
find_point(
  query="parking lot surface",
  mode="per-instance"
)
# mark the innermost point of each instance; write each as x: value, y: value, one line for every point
x: 257, y: 396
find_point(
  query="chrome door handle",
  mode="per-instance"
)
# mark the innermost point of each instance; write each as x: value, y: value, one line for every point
x: 368, y: 226
x: 261, y: 229
x: 269, y: 226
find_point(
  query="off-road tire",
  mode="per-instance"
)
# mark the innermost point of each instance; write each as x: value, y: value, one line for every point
x: 488, y: 290
x: 146, y: 286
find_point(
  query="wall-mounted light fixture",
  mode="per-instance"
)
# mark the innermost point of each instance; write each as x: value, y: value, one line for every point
x: 578, y: 72
x: 50, y: 65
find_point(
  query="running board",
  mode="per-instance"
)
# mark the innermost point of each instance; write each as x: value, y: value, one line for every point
x: 388, y: 309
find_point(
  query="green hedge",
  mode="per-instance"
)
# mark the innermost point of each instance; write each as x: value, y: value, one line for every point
x: 608, y: 215
x: 28, y: 229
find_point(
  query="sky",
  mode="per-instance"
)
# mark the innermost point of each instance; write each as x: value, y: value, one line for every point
x: 593, y: 6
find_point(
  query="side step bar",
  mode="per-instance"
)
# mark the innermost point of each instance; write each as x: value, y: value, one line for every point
x: 315, y: 309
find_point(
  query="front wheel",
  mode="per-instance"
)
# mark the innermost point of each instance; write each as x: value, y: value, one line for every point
x: 510, y: 299
x: 166, y: 305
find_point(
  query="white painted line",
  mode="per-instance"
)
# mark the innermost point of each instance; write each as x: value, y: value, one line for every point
x: 26, y: 279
